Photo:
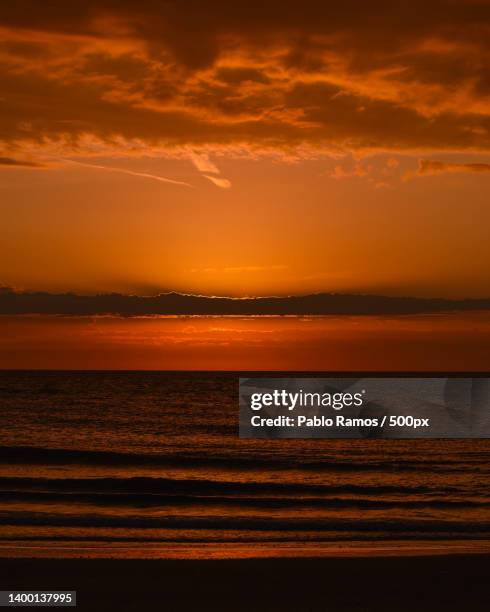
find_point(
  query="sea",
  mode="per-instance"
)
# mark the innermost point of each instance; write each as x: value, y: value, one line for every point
x: 149, y: 464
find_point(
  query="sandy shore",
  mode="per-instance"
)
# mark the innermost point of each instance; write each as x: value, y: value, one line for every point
x: 458, y: 582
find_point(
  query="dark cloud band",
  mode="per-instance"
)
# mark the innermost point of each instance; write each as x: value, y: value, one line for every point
x: 352, y: 75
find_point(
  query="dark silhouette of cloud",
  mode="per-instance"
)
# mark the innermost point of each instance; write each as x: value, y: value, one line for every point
x: 14, y: 303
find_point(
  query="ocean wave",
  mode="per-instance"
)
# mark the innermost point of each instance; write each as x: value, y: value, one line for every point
x: 38, y: 455
x: 143, y: 484
x: 230, y: 537
x: 161, y: 500
x: 255, y: 523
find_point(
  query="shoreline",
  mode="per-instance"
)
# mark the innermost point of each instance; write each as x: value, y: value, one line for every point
x: 225, y: 551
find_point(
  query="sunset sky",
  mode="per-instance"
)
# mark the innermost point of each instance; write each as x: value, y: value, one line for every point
x: 245, y: 148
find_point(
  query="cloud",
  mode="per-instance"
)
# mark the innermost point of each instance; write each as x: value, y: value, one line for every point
x: 339, y: 172
x: 240, y: 269
x: 326, y: 76
x: 154, y: 177
x: 234, y: 269
x: 430, y: 167
x: 202, y: 162
x: 219, y: 182
x: 17, y: 303
x: 20, y: 163
x: 6, y: 289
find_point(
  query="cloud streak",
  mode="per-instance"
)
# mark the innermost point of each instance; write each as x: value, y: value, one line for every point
x: 154, y: 177
x: 10, y: 162
x: 223, y: 183
x: 428, y: 167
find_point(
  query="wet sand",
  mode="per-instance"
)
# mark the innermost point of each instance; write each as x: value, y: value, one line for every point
x: 456, y: 582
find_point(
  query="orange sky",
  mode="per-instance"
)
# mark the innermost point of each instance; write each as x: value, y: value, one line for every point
x: 245, y: 148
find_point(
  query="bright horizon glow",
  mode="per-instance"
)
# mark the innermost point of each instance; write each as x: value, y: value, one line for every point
x: 441, y: 342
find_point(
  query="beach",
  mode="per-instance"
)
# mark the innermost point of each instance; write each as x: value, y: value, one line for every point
x: 445, y: 582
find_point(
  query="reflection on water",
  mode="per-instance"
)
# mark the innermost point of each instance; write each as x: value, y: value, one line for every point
x: 454, y: 341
